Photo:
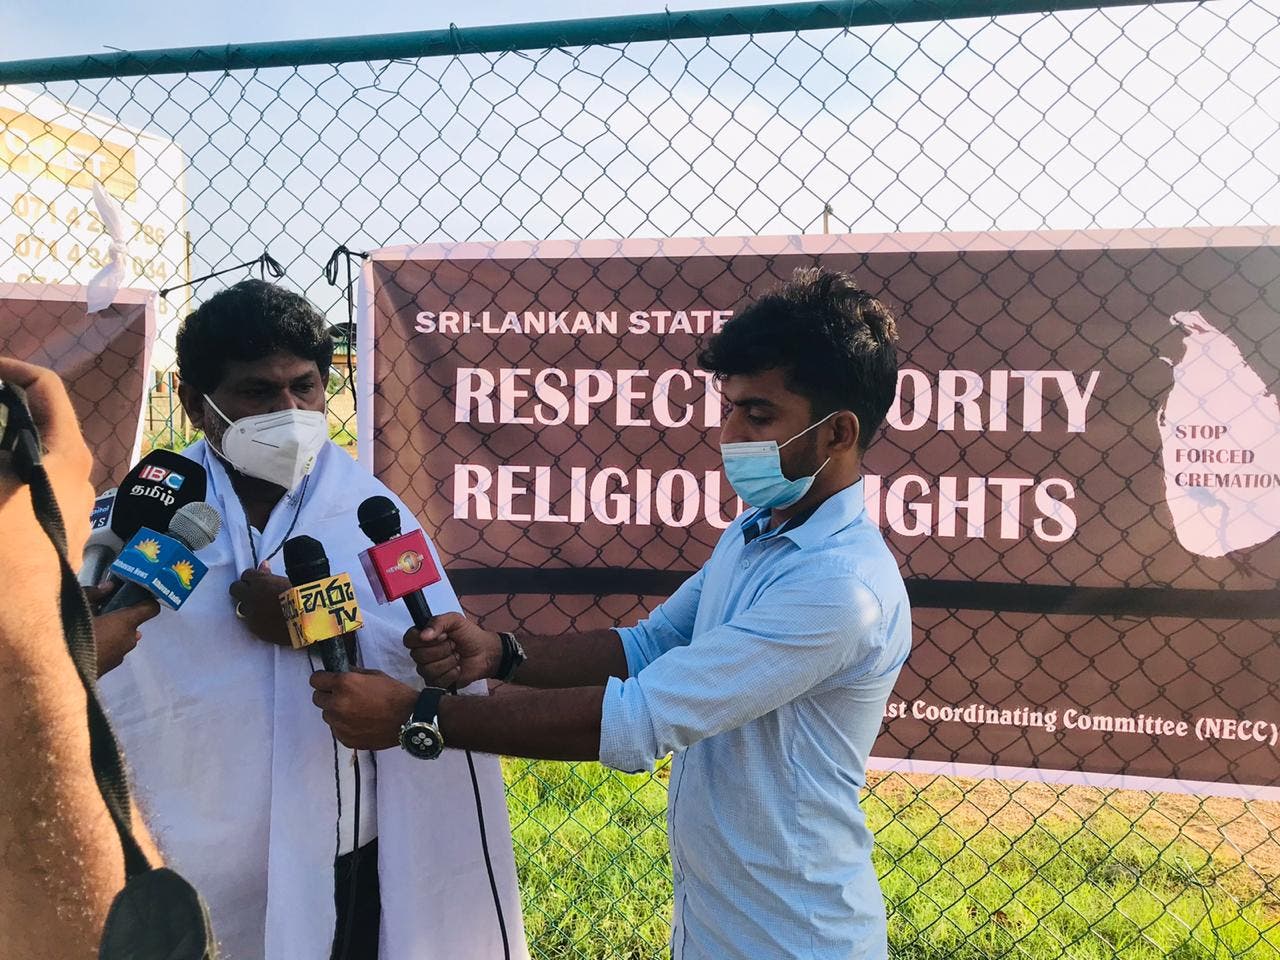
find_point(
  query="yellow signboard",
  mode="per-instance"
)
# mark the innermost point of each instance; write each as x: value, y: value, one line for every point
x: 34, y: 148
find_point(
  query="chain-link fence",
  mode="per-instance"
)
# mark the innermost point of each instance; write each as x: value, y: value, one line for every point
x: 898, y: 117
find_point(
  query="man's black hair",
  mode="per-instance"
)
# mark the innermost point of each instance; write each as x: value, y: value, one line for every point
x: 834, y: 340
x: 248, y: 321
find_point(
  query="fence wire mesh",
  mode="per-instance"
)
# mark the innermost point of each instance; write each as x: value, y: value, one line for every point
x: 1152, y: 116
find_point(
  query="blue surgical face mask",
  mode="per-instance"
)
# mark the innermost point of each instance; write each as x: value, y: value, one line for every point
x: 754, y: 470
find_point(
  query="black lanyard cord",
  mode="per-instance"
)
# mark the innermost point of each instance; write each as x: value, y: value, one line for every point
x: 253, y: 550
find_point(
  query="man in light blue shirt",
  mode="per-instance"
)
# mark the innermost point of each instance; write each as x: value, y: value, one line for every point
x: 766, y: 673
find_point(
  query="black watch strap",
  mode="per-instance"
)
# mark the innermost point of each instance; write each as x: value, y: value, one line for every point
x: 512, y: 657
x: 428, y: 705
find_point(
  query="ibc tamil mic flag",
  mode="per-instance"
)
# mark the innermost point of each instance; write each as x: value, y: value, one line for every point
x: 1080, y: 473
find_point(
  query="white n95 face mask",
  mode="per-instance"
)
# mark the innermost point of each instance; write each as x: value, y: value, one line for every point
x: 279, y: 447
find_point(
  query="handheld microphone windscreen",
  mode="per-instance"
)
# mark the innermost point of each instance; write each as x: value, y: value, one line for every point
x: 154, y: 490
x: 195, y: 525
x: 379, y: 519
x: 398, y: 565
x: 305, y: 560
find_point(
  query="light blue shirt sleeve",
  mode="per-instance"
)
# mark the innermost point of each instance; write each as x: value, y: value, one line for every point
x: 805, y: 628
x: 668, y: 626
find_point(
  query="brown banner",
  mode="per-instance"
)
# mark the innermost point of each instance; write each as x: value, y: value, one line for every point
x: 1080, y: 476
x: 101, y: 357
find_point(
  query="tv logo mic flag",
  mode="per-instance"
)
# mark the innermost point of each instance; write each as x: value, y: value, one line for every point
x: 399, y: 566
x: 160, y: 564
x: 321, y: 610
x: 102, y: 507
x: 157, y: 474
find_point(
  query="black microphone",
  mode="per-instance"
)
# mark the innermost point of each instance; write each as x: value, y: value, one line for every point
x: 195, y: 526
x: 153, y: 490
x: 379, y: 518
x: 305, y: 562
x: 103, y: 545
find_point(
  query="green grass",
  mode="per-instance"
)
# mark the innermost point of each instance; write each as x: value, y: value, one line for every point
x: 341, y: 435
x: 1085, y: 889
x: 591, y: 852
x: 591, y: 849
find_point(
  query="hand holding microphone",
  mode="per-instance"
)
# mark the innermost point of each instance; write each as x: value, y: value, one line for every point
x: 364, y: 708
x: 153, y: 493
x: 449, y: 650
x: 165, y: 566
x: 454, y: 651
x: 118, y: 632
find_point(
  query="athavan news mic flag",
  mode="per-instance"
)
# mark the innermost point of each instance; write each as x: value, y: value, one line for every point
x: 103, y: 358
x: 1080, y: 474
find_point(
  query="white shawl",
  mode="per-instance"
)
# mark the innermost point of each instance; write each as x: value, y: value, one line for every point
x: 234, y: 769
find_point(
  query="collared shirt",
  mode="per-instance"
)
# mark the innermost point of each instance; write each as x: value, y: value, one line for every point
x: 767, y: 675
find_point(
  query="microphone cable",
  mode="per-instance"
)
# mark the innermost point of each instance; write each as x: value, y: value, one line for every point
x: 488, y: 861
x: 355, y: 834
x: 355, y: 849
x: 484, y: 846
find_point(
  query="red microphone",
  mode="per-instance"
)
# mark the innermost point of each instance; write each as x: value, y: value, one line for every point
x: 398, y: 565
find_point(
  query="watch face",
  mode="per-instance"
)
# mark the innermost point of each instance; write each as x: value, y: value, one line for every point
x: 422, y: 740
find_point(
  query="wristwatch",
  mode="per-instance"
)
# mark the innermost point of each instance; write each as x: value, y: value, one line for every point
x: 512, y: 657
x: 420, y: 735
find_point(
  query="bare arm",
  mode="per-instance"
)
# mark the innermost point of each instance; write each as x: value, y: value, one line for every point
x: 453, y: 650
x: 366, y: 708
x: 575, y: 660
x: 63, y: 863
x: 521, y: 722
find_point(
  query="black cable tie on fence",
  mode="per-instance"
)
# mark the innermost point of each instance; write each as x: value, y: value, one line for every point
x: 266, y: 263
x: 331, y: 277
x: 331, y: 267
x: 269, y: 264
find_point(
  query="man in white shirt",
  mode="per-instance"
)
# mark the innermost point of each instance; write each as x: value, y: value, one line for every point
x: 303, y: 849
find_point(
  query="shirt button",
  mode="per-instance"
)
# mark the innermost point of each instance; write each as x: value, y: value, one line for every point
x: 745, y: 564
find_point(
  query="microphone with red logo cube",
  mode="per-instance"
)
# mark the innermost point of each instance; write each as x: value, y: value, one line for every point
x: 398, y: 565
